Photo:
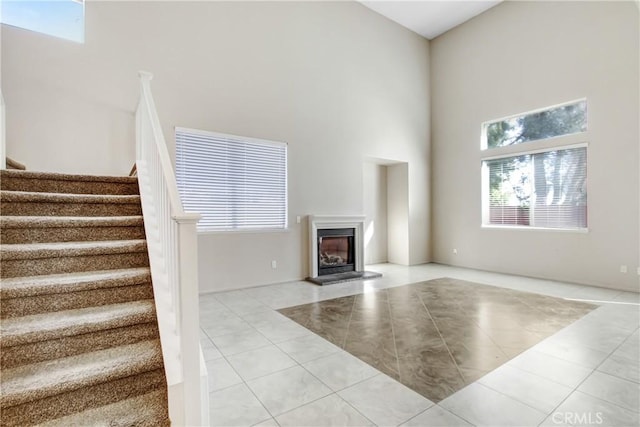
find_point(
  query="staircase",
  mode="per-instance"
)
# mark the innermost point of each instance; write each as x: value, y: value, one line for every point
x: 79, y: 335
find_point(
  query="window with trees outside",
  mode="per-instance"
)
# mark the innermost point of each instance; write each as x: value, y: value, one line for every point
x: 235, y: 183
x: 534, y: 169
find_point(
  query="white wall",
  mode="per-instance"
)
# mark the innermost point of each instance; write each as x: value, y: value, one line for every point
x: 336, y: 81
x: 375, y: 211
x: 521, y: 56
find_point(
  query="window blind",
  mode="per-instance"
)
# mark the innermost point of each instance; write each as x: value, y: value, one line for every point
x: 235, y: 183
x: 547, y: 189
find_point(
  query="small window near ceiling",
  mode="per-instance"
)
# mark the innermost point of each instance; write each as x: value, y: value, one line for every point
x: 58, y: 18
x: 235, y: 183
x: 540, y: 184
x: 537, y: 125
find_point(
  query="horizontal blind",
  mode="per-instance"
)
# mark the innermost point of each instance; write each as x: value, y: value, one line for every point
x: 235, y: 183
x: 547, y: 189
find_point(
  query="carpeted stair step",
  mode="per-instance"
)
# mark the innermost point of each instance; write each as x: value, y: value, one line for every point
x: 35, y: 393
x: 33, y: 259
x: 40, y: 337
x: 47, y: 182
x: 147, y: 410
x: 76, y: 344
x: 83, y: 399
x: 24, y: 203
x: 42, y: 229
x: 30, y: 383
x: 23, y: 296
x: 49, y: 326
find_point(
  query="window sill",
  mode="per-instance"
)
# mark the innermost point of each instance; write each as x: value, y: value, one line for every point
x: 528, y: 228
x: 253, y: 231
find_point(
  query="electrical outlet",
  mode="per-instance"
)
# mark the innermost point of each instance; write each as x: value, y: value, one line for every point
x: 623, y: 269
x: 638, y: 271
x: 298, y: 219
x: 455, y: 252
x: 274, y: 264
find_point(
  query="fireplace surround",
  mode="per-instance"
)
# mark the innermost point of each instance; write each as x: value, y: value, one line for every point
x: 335, y: 222
x: 336, y: 249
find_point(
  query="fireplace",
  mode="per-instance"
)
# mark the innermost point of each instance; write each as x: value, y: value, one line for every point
x: 336, y: 252
x: 336, y: 249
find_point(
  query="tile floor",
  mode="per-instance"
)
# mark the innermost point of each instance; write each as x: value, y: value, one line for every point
x: 267, y: 370
x: 437, y: 336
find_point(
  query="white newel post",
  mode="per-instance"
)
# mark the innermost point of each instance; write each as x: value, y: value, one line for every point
x: 3, y: 132
x: 188, y: 261
x: 139, y: 132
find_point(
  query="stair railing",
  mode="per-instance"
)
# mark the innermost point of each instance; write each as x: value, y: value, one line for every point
x: 173, y: 257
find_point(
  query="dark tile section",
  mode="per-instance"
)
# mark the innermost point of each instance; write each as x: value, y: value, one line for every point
x: 438, y: 336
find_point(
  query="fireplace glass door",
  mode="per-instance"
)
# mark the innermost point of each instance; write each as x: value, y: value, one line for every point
x: 335, y: 251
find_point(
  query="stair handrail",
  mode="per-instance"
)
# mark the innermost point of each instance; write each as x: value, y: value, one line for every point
x: 172, y: 246
x: 3, y: 134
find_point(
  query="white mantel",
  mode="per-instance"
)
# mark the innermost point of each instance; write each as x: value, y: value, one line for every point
x: 319, y: 222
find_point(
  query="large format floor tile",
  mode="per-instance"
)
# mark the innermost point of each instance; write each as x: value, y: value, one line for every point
x: 436, y: 416
x: 438, y: 336
x: 385, y: 401
x: 483, y: 406
x: 328, y: 411
x: 581, y: 409
x: 340, y: 370
x: 308, y: 348
x: 552, y: 368
x: 533, y: 390
x: 285, y: 390
x: 240, y: 342
x: 625, y: 361
x: 236, y: 406
x: 221, y: 374
x: 612, y: 389
x: 263, y: 361
x: 461, y: 335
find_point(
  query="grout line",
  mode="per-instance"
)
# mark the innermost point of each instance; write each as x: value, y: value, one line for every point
x: 454, y: 414
x: 266, y: 420
x: 418, y: 414
x: 346, y: 334
x: 464, y: 380
x: 515, y: 398
x: 612, y: 353
x: 393, y: 335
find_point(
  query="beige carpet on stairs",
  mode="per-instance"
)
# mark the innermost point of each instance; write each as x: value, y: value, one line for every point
x: 79, y: 338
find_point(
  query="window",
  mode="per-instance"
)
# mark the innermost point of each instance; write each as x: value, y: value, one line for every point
x: 236, y: 183
x: 59, y: 18
x: 548, y: 123
x: 542, y: 183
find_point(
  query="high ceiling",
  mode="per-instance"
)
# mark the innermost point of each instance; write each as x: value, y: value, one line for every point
x: 430, y: 18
